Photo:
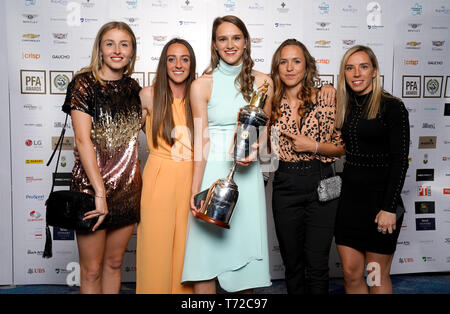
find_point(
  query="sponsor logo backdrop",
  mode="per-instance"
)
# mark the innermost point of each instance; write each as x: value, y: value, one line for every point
x: 48, y: 41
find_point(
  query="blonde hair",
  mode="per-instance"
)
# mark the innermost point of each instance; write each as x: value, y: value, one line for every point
x: 245, y: 79
x: 96, y: 58
x: 343, y: 89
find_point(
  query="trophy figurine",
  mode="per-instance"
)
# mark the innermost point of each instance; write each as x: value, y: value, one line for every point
x: 221, y: 198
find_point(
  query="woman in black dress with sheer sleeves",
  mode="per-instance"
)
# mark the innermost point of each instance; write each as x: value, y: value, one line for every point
x: 375, y: 129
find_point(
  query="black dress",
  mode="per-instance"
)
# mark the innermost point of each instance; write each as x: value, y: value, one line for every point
x: 374, y: 174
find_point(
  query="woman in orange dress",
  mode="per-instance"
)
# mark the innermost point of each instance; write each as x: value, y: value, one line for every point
x: 167, y: 176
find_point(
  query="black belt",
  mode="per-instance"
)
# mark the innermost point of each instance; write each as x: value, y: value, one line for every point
x: 300, y: 167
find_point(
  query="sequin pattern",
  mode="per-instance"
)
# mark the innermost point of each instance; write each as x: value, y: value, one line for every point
x: 116, y: 114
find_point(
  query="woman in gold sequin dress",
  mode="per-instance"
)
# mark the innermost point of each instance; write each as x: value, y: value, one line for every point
x: 106, y: 114
x: 167, y: 176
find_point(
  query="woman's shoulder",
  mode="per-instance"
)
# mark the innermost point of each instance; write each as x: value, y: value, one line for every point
x: 147, y: 91
x: 146, y: 95
x: 261, y: 78
x: 390, y: 102
x: 204, y: 81
x: 393, y: 107
x: 134, y: 84
x: 83, y: 77
x: 260, y: 75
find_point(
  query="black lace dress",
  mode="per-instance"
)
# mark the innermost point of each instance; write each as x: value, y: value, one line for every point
x: 374, y: 173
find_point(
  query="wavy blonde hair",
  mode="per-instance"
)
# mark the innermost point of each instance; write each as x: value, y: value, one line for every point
x: 343, y: 89
x: 245, y: 79
x: 306, y: 91
x: 96, y: 58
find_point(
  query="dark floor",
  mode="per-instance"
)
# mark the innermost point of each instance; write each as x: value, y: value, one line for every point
x: 430, y: 283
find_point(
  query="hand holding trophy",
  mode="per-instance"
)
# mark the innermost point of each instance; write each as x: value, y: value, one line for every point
x: 220, y: 199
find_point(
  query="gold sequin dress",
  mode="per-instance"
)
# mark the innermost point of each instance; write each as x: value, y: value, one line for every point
x: 116, y: 113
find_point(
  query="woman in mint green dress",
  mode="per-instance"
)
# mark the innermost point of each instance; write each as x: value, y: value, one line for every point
x: 237, y: 257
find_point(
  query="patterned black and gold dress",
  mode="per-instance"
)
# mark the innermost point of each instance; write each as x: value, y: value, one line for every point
x: 115, y: 109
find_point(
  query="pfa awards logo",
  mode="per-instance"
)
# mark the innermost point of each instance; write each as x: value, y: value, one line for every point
x: 411, y: 86
x: 32, y: 82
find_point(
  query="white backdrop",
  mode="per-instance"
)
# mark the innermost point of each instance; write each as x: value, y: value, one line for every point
x: 49, y: 40
x: 5, y: 162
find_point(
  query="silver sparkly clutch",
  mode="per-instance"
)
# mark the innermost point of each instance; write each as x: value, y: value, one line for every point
x: 329, y: 188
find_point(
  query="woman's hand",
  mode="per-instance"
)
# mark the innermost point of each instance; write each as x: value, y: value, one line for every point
x: 301, y: 143
x: 386, y: 221
x: 328, y: 94
x: 195, y: 209
x: 101, y: 210
x: 251, y: 157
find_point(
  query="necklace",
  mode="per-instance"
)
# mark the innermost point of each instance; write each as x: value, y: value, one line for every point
x: 364, y: 100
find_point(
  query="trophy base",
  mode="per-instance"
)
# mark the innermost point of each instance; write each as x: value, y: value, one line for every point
x: 212, y: 220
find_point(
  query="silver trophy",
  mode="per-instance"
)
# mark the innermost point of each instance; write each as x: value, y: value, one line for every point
x: 221, y: 198
x: 250, y: 119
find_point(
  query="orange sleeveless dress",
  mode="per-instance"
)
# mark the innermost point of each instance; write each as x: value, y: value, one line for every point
x: 166, y: 191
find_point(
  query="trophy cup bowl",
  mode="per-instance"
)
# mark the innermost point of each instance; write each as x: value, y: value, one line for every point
x: 250, y: 119
x: 220, y: 200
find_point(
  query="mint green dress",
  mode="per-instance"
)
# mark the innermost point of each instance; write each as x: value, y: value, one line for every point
x: 238, y: 256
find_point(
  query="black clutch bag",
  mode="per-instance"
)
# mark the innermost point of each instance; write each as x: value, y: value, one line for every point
x: 65, y: 209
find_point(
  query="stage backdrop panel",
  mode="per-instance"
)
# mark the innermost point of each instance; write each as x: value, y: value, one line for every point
x: 422, y: 68
x: 48, y: 41
x: 6, y: 260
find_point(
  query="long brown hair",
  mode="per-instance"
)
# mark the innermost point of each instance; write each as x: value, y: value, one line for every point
x: 343, y: 89
x: 245, y: 79
x: 96, y: 59
x: 306, y: 91
x: 162, y: 123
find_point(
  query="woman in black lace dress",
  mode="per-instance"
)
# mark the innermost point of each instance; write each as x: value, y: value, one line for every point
x: 375, y: 130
